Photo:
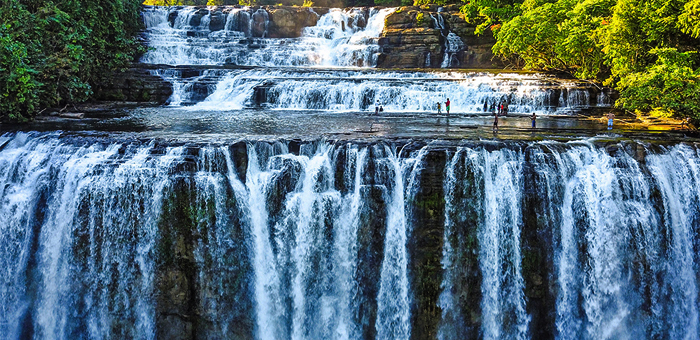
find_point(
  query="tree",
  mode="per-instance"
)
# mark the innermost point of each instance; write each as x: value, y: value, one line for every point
x: 51, y: 52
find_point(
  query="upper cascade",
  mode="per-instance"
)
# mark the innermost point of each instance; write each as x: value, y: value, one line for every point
x: 255, y: 36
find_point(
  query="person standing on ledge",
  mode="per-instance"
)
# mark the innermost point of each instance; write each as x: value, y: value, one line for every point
x: 439, y: 108
x: 486, y: 105
x: 495, y: 123
x: 376, y: 107
x: 533, y: 119
x: 447, y: 106
x: 611, y: 116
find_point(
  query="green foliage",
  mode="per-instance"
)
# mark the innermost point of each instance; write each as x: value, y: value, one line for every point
x: 17, y: 82
x: 50, y: 52
x: 670, y: 87
x: 562, y: 35
x: 487, y: 13
x: 689, y: 20
x: 644, y: 48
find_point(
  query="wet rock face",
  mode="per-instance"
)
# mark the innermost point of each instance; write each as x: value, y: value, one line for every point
x: 134, y: 85
x: 218, y: 21
x: 289, y: 22
x: 416, y: 37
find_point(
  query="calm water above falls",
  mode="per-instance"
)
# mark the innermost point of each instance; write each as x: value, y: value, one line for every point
x: 318, y: 240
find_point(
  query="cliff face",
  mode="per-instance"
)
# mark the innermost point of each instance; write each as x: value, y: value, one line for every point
x: 135, y: 84
x: 433, y: 37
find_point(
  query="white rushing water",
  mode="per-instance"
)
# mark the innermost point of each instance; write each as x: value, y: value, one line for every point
x: 316, y: 240
x: 341, y: 37
x: 393, y: 310
x: 396, y: 91
x: 80, y: 231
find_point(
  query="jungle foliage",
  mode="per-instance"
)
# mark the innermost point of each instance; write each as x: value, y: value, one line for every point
x: 52, y: 52
x: 647, y: 49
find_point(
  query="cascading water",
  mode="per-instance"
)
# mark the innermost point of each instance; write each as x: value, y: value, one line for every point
x: 453, y: 43
x: 396, y: 91
x: 393, y: 301
x: 226, y: 37
x: 188, y: 36
x: 292, y: 240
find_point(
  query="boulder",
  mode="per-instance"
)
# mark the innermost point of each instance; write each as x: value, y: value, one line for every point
x: 171, y: 17
x: 217, y: 22
x: 260, y: 21
x: 289, y: 22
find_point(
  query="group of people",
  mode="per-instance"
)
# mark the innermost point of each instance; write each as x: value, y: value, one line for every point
x: 447, y: 106
x: 378, y: 107
x: 500, y: 108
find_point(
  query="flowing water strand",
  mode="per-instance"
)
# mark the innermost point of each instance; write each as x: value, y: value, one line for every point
x: 90, y: 256
x: 503, y: 302
x: 220, y: 252
x: 451, y: 321
x: 306, y: 213
x: 393, y: 301
x: 267, y: 282
x: 339, y: 312
x: 25, y: 172
x: 464, y: 202
x: 605, y: 199
x: 677, y: 176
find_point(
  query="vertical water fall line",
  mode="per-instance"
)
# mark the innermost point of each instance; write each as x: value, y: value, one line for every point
x: 609, y: 227
x: 97, y: 243
x: 677, y: 176
x: 305, y: 211
x: 267, y: 282
x: 54, y: 253
x: 503, y: 299
x: 393, y: 301
x: 346, y: 249
x: 25, y: 169
x: 451, y: 316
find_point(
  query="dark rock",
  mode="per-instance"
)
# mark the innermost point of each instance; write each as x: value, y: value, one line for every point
x: 425, y: 246
x: 171, y: 17
x: 217, y: 22
x: 134, y: 85
x: 196, y: 19
x: 411, y: 40
x: 289, y: 22
x: 260, y: 21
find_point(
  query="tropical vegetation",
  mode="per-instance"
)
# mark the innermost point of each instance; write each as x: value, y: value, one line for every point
x: 647, y: 49
x: 53, y: 52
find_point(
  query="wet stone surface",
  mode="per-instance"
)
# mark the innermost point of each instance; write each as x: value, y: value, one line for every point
x: 190, y: 124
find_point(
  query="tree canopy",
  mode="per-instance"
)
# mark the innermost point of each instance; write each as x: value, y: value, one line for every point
x: 52, y: 51
x: 647, y: 49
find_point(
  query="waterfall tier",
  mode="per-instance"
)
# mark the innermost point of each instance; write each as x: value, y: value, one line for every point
x: 241, y: 36
x: 359, y: 90
x: 316, y: 240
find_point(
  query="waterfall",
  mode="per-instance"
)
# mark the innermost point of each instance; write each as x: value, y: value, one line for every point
x: 397, y: 91
x: 393, y: 301
x: 82, y: 212
x: 453, y: 43
x: 186, y: 36
x: 290, y: 239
